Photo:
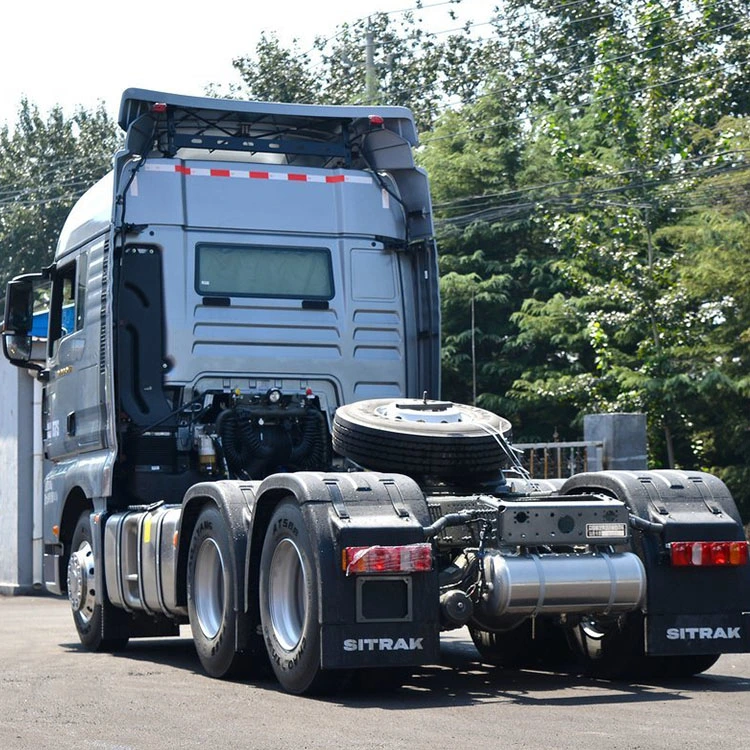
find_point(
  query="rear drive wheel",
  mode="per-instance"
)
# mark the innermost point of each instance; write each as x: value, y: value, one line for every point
x: 678, y: 667
x: 510, y: 649
x: 289, y: 603
x: 100, y: 627
x: 614, y: 649
x: 526, y: 645
x: 210, y: 596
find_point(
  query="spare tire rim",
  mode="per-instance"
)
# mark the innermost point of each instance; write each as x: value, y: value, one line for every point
x: 434, y: 412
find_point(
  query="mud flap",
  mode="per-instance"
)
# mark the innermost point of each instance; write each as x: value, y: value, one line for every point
x: 370, y: 620
x: 680, y: 634
x: 386, y: 645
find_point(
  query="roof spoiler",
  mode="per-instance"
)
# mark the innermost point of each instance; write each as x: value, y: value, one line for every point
x: 155, y: 120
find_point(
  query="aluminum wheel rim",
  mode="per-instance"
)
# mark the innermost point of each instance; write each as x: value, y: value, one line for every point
x: 208, y: 593
x: 287, y: 599
x: 81, y: 592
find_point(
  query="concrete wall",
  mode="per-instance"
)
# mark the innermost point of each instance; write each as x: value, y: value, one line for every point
x: 16, y: 480
x: 623, y: 437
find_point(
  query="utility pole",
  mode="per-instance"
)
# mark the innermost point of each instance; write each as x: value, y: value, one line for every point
x: 473, y: 350
x: 371, y: 77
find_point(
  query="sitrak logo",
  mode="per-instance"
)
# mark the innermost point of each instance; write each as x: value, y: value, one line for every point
x: 703, y: 634
x: 383, y: 644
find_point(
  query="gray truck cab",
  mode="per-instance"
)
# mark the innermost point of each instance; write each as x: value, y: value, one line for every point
x: 245, y: 269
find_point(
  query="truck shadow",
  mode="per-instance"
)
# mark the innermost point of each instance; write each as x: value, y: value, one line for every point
x: 178, y: 652
x: 460, y: 679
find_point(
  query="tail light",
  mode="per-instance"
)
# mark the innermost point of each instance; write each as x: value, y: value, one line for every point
x: 708, y: 554
x: 406, y: 558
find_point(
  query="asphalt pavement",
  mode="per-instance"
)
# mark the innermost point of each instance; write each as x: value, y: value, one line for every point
x: 55, y: 695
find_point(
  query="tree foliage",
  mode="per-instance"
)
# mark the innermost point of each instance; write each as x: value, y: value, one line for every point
x: 637, y: 133
x: 46, y: 163
x: 378, y: 59
x: 589, y: 166
x: 588, y: 163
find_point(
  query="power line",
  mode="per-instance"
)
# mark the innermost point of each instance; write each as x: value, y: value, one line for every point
x: 509, y: 195
x: 577, y: 200
x: 43, y: 202
x: 361, y: 19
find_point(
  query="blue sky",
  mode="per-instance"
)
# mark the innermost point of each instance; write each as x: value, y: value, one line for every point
x: 86, y: 51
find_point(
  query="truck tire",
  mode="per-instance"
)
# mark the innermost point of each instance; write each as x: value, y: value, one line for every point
x: 387, y: 435
x: 616, y: 651
x: 289, y: 603
x: 616, y: 648
x: 210, y: 596
x: 524, y: 646
x: 679, y: 667
x: 510, y: 649
x: 611, y: 649
x: 94, y: 622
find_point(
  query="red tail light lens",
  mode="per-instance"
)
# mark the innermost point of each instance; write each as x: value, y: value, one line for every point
x: 708, y: 554
x: 406, y: 558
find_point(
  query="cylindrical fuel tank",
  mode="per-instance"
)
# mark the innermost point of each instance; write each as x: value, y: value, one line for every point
x: 140, y: 560
x: 527, y: 585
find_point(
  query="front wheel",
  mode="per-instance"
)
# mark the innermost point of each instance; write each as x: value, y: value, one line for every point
x: 100, y: 626
x: 289, y: 603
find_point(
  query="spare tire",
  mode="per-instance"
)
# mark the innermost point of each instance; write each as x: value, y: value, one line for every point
x: 420, y: 437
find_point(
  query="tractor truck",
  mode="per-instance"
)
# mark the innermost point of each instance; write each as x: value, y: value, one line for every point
x: 243, y: 428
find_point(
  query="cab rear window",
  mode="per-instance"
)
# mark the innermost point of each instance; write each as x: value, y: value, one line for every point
x: 263, y: 271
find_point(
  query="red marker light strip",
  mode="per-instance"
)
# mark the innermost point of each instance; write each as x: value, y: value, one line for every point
x: 408, y: 558
x: 329, y: 179
x: 708, y: 554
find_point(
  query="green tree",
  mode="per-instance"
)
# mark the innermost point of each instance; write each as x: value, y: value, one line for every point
x: 383, y: 58
x: 46, y: 163
x: 714, y: 237
x: 274, y: 74
x: 492, y: 252
x: 630, y: 158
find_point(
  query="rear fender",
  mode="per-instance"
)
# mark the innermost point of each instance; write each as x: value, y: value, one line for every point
x: 235, y: 500
x: 693, y: 609
x: 667, y: 496
x: 357, y: 509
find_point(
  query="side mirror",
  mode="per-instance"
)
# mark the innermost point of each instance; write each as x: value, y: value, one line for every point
x: 18, y: 320
x: 17, y: 347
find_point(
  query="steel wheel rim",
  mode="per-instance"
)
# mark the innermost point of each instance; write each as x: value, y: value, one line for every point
x: 592, y: 637
x: 287, y: 598
x: 209, y: 593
